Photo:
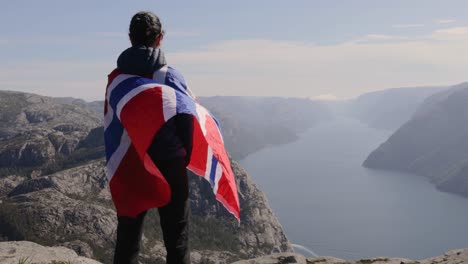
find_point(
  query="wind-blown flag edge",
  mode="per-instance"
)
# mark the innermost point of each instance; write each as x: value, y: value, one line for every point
x: 216, y: 169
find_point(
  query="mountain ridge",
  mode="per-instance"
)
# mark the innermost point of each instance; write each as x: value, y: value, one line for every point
x: 390, y: 108
x: 250, y: 123
x: 433, y: 143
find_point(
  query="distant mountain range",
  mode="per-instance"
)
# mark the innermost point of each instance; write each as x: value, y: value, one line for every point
x: 389, y: 109
x: 252, y: 123
x: 433, y: 143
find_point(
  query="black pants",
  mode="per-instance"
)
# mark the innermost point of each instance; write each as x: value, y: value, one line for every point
x: 174, y: 220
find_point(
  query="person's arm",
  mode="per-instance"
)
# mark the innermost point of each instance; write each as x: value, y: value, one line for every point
x: 184, y: 130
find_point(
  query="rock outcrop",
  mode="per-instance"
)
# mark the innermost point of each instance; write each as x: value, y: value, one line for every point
x: 37, y: 132
x: 29, y: 252
x: 458, y: 256
x: 259, y: 232
x: 275, y: 259
x: 15, y: 252
x: 46, y: 141
x: 22, y: 112
x: 75, y: 204
x: 54, y: 191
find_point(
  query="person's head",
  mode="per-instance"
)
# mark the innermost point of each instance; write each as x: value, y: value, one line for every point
x: 145, y: 29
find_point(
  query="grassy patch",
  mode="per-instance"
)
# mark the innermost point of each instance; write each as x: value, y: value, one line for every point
x: 209, y: 233
x: 205, y: 233
x: 23, y: 260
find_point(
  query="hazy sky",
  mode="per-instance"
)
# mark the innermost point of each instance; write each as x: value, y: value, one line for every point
x: 322, y: 49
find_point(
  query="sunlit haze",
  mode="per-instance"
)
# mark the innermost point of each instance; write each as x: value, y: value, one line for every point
x: 317, y: 49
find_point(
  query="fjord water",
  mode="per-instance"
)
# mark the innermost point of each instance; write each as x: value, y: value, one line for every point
x: 327, y: 202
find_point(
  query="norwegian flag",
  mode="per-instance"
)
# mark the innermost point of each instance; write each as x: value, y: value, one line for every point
x: 135, y: 109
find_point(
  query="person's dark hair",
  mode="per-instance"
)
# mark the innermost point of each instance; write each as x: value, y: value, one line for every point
x: 145, y: 27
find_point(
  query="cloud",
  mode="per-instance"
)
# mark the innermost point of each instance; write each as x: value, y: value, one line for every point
x: 85, y: 40
x: 4, y: 41
x: 286, y: 68
x: 379, y: 37
x: 445, y: 21
x: 454, y: 33
x: 407, y: 25
x: 91, y: 39
x: 266, y: 67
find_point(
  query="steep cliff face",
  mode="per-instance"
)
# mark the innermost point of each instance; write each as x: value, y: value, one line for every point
x: 259, y: 232
x: 434, y: 143
x: 75, y: 205
x: 53, y: 190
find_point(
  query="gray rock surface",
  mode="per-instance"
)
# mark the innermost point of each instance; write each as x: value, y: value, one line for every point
x: 62, y: 208
x: 458, y: 256
x: 20, y: 112
x: 8, y: 183
x: 276, y: 259
x: 54, y: 191
x: 37, y: 131
x: 75, y: 204
x: 14, y: 252
x: 81, y: 248
x: 259, y: 233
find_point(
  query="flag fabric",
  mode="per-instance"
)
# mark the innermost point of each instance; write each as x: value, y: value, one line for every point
x: 135, y: 109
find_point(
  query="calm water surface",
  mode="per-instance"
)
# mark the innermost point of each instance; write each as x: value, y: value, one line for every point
x: 328, y: 202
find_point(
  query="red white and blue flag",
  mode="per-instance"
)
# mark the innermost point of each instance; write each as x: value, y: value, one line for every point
x: 135, y: 109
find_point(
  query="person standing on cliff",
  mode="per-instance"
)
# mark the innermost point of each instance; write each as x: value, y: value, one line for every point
x: 151, y: 122
x: 170, y: 149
